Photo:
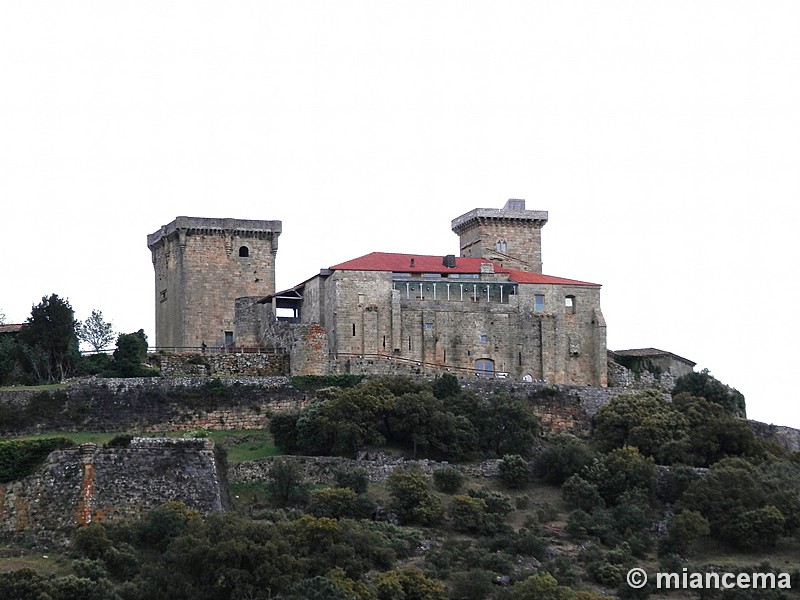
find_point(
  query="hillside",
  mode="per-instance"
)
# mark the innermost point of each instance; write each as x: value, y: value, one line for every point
x: 414, y: 489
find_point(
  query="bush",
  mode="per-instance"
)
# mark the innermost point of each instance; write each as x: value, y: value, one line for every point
x: 683, y: 531
x: 514, y: 471
x: 582, y: 494
x: 411, y: 500
x: 705, y: 385
x: 757, y: 529
x: 448, y: 480
x: 467, y: 514
x: 336, y: 503
x: 119, y: 441
x: 565, y: 456
x: 309, y: 383
x: 475, y: 584
x: 352, y: 478
x: 286, y: 486
x: 20, y: 458
x: 410, y: 583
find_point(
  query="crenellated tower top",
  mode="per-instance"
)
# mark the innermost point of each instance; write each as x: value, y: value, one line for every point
x: 511, y: 236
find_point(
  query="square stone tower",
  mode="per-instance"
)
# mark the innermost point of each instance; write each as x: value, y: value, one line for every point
x: 511, y: 236
x: 201, y: 267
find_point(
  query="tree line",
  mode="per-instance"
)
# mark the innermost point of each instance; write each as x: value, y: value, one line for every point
x: 46, y: 348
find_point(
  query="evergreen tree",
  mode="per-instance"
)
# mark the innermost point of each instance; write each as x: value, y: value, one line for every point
x: 48, y: 341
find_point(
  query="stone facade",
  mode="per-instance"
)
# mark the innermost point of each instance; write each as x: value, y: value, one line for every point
x: 489, y: 312
x: 511, y: 236
x: 201, y: 267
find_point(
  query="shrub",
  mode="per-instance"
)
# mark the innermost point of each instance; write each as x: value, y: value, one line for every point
x: 565, y: 456
x: 582, y: 494
x: 20, y: 458
x: 119, y: 441
x: 353, y: 478
x: 411, y: 500
x: 514, y: 471
x: 757, y: 529
x: 308, y: 383
x: 286, y: 486
x: 448, y: 480
x: 408, y: 583
x: 683, y: 531
x: 475, y: 584
x: 336, y: 503
x: 467, y: 514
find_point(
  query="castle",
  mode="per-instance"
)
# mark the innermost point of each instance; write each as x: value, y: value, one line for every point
x: 488, y: 312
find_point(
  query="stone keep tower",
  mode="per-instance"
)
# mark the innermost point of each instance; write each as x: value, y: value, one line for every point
x: 511, y: 236
x: 201, y: 267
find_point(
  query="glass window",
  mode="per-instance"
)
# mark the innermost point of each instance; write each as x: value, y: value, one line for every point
x: 538, y: 302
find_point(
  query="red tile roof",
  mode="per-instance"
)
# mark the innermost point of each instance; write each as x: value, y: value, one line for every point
x: 11, y: 328
x: 525, y: 277
x: 402, y: 263
x: 418, y: 264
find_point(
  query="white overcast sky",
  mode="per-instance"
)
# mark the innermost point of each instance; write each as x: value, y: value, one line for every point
x: 662, y: 137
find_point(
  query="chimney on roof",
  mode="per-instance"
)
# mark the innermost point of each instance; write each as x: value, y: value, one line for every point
x: 412, y: 263
x: 515, y: 204
x: 449, y: 261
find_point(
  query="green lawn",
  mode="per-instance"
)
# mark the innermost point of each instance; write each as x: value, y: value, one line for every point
x: 25, y: 388
x: 241, y: 445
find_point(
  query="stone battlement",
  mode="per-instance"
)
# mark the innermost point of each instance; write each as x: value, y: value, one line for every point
x: 239, y: 227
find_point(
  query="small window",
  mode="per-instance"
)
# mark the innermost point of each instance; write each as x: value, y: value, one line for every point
x: 244, y: 252
x: 163, y: 296
x: 354, y: 328
x: 569, y: 304
x: 502, y: 246
x: 429, y: 326
x: 484, y: 338
x: 538, y: 302
x: 229, y: 338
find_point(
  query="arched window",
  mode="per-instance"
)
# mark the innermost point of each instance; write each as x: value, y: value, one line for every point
x: 502, y: 246
x: 244, y: 252
x: 484, y: 367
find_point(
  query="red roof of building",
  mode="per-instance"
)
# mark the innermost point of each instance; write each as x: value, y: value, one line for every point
x: 11, y: 328
x: 526, y: 277
x: 419, y: 264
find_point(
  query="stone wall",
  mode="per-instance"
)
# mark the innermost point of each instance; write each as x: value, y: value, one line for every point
x: 260, y: 363
x: 622, y: 377
x: 786, y: 437
x: 82, y: 485
x: 322, y: 469
x: 149, y: 404
x: 306, y: 343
